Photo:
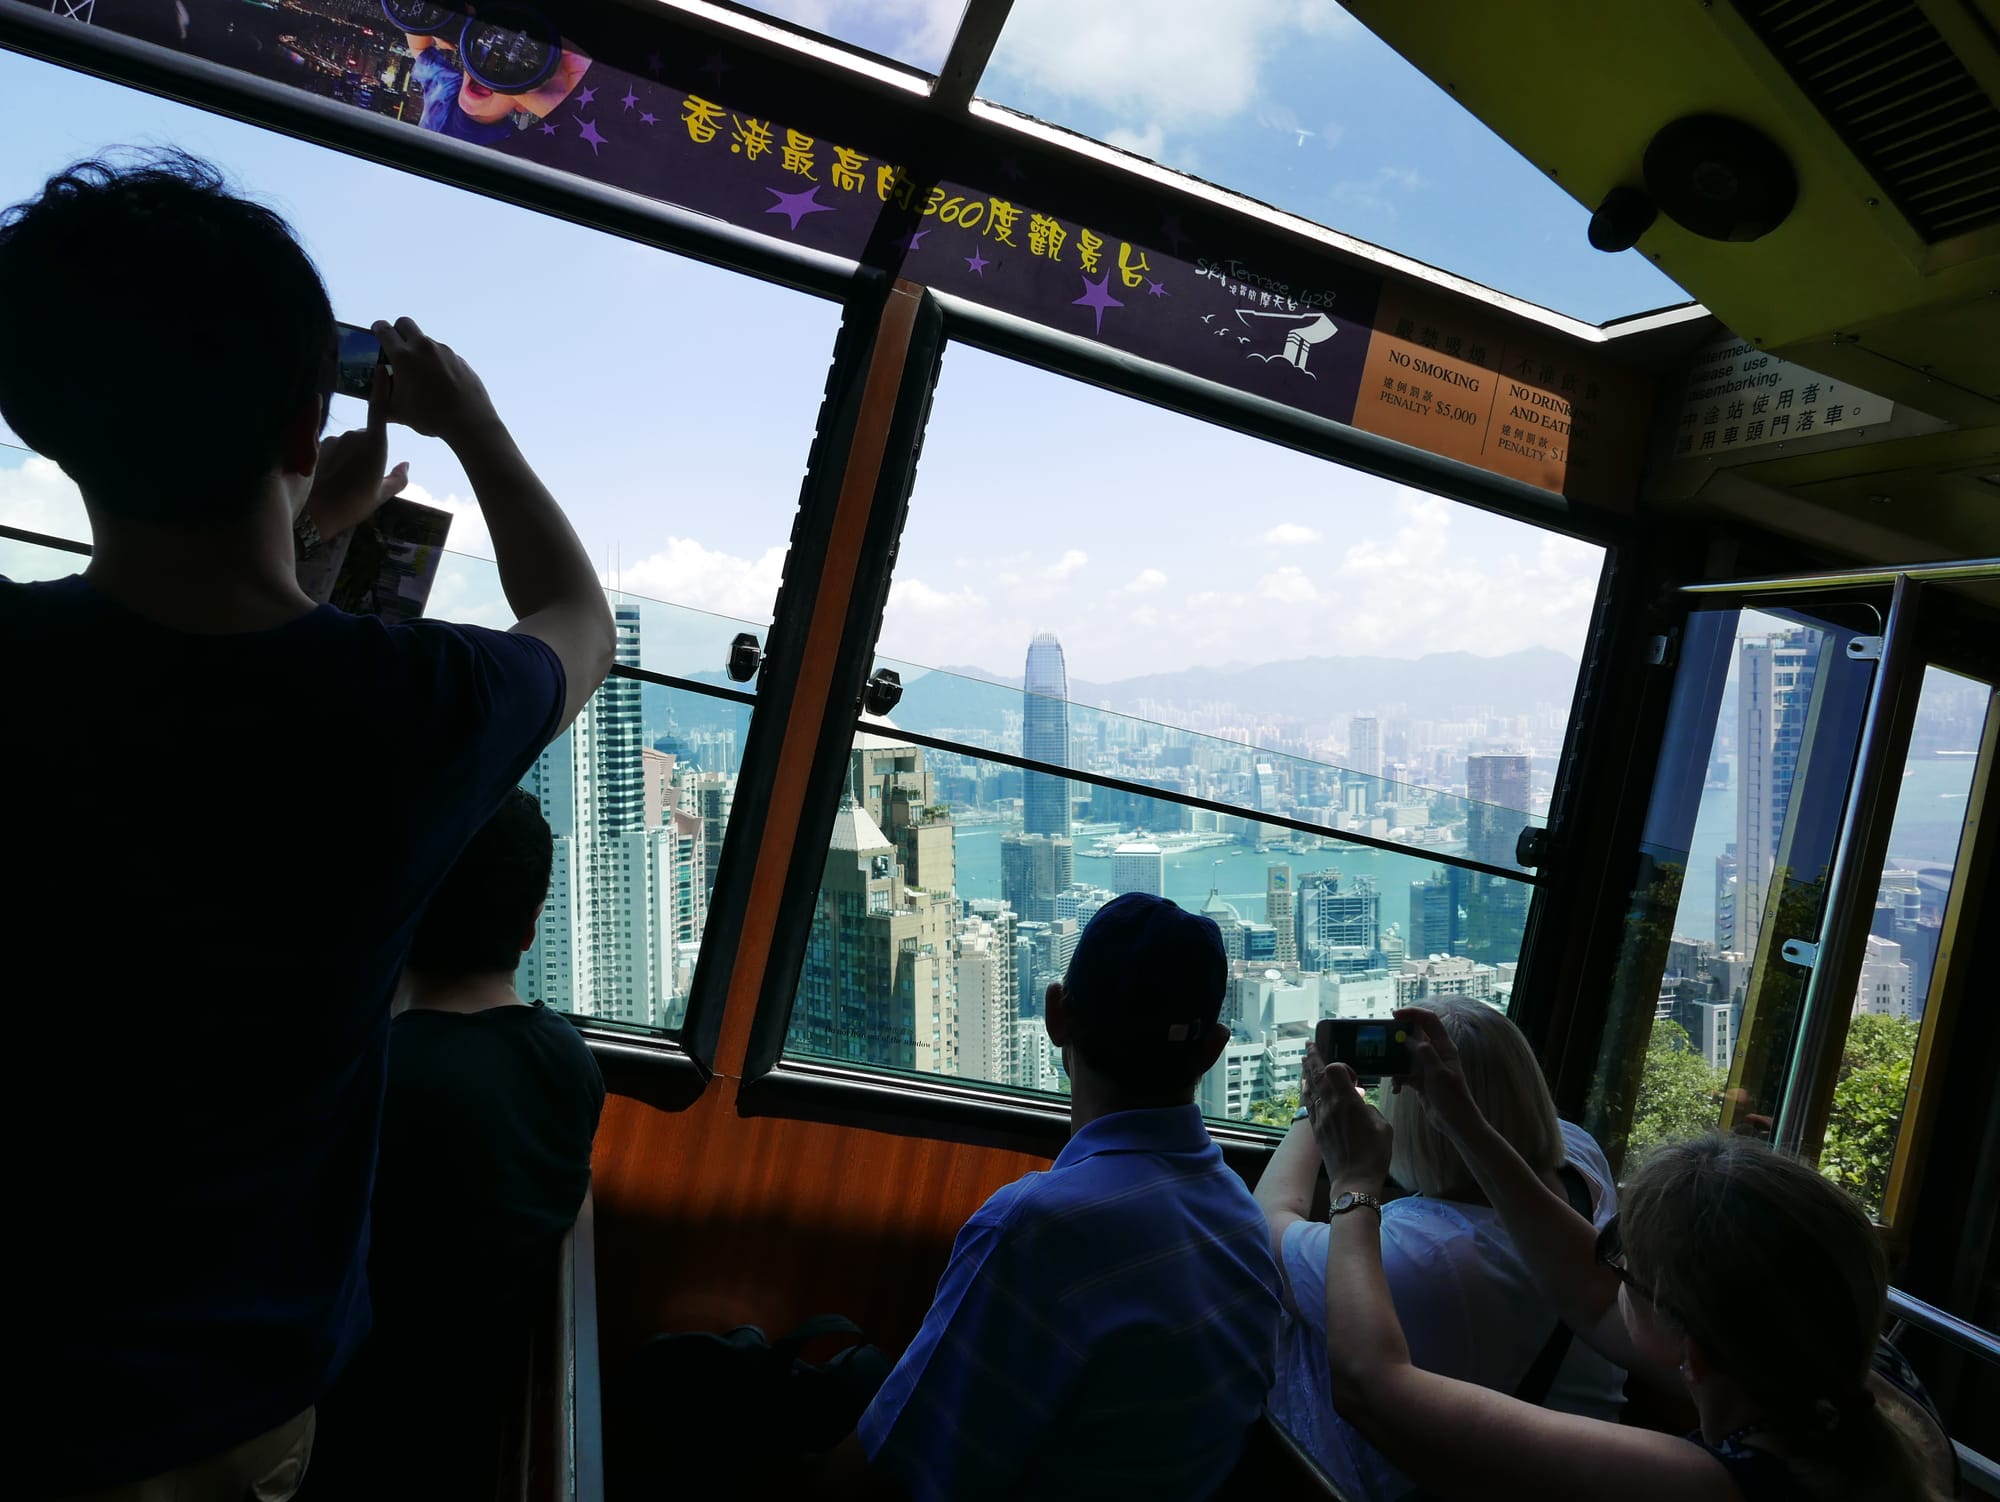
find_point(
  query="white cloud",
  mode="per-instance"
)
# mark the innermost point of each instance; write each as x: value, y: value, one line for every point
x: 919, y: 30
x: 468, y: 526
x: 1171, y: 65
x: 1072, y: 560
x: 1145, y: 582
x: 919, y: 598
x: 1150, y: 142
x: 1288, y: 586
x: 686, y: 573
x: 1290, y: 535
x: 39, y: 497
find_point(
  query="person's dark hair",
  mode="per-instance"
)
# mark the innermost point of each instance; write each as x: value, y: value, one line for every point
x: 1781, y: 1281
x: 157, y: 335
x: 477, y: 918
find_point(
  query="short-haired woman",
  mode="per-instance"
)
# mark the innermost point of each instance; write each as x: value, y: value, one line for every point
x: 1737, y: 1273
x: 1470, y: 1304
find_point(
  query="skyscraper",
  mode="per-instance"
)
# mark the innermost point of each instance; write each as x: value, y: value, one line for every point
x: 1774, y: 688
x: 1278, y: 899
x: 1139, y: 866
x: 1364, y: 745
x: 1340, y: 923
x: 1496, y: 909
x: 1034, y: 870
x: 1497, y: 791
x: 1045, y: 737
x: 597, y: 951
x: 1436, y: 923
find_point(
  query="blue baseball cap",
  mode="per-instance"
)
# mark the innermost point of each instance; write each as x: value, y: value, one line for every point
x: 1147, y: 977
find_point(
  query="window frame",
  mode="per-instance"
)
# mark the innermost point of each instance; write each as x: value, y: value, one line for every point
x: 1074, y: 357
x: 1925, y: 624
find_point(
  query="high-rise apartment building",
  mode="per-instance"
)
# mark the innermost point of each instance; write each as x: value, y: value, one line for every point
x: 1139, y: 866
x: 1774, y: 688
x: 988, y: 999
x: 879, y: 982
x: 1884, y: 990
x: 1045, y: 737
x: 596, y: 951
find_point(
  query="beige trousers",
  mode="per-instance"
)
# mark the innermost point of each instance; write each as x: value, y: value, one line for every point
x: 268, y: 1468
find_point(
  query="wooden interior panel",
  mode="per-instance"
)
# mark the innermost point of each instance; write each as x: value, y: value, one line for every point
x: 707, y: 1219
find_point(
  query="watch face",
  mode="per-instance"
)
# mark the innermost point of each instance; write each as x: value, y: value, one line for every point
x: 1343, y: 1201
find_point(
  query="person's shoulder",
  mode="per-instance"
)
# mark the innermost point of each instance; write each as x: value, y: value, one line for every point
x: 563, y: 1039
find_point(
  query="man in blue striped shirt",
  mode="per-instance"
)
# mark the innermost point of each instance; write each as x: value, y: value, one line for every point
x: 1108, y: 1328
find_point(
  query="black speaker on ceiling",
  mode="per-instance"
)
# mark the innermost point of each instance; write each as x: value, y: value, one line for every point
x: 1720, y: 178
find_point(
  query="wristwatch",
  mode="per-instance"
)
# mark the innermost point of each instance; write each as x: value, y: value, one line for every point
x: 305, y: 535
x: 1350, y: 1199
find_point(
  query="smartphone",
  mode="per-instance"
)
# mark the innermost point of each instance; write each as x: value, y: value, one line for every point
x: 1373, y: 1050
x: 354, y: 365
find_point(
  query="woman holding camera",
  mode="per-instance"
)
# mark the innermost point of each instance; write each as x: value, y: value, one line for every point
x: 1471, y: 1306
x: 1733, y: 1272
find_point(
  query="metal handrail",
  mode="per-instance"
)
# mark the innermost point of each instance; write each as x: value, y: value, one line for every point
x: 1847, y: 578
x: 1945, y: 1326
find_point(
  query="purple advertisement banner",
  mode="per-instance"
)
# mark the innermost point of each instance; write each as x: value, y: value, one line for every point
x: 712, y: 129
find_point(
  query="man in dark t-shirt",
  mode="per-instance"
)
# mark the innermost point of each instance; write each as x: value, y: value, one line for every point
x: 486, y: 1134
x: 224, y: 809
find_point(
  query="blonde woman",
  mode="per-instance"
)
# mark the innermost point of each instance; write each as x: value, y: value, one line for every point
x: 1737, y: 1273
x: 1469, y: 1302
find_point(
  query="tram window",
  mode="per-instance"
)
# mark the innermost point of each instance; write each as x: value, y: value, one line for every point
x: 942, y: 917
x: 668, y: 404
x: 1221, y: 584
x: 1198, y: 615
x: 1876, y: 1082
x: 1766, y: 711
x: 38, y: 497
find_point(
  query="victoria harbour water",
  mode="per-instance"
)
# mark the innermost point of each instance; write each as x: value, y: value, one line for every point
x: 1930, y: 809
x: 1237, y: 872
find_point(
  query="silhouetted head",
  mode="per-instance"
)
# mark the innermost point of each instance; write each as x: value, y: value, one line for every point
x: 165, y: 341
x: 483, y: 916
x: 1140, y: 1003
x: 1505, y: 1079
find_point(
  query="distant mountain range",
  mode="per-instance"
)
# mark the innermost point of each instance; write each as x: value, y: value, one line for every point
x: 1440, y: 685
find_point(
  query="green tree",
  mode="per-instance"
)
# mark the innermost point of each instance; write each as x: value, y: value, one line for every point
x: 1277, y: 1112
x: 1867, y: 1112
x: 1679, y: 1095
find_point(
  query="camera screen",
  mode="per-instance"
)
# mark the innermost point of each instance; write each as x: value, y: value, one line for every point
x: 354, y: 365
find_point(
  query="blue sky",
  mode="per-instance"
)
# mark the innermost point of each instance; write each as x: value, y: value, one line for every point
x: 670, y: 405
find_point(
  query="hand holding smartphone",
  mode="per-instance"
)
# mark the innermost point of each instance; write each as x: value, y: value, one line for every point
x: 354, y: 365
x: 1373, y: 1050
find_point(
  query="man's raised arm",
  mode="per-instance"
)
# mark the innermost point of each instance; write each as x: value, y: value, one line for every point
x: 544, y: 571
